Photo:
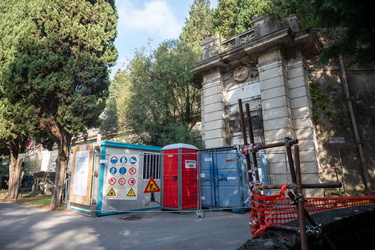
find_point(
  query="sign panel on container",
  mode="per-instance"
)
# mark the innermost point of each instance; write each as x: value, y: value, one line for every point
x: 81, y: 172
x: 121, y: 177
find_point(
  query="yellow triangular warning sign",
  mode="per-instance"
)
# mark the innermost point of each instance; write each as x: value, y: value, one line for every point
x: 152, y: 187
x: 111, y: 192
x: 131, y: 192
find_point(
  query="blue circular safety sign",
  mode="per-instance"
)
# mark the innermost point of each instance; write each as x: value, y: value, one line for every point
x: 113, y: 170
x: 123, y: 160
x: 114, y: 160
x: 122, y: 170
x: 133, y: 160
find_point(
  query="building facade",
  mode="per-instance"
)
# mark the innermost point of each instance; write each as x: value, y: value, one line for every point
x: 265, y: 67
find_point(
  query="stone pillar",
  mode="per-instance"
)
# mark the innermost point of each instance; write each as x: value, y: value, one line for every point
x: 304, y: 130
x: 277, y: 115
x: 212, y: 103
x: 287, y: 112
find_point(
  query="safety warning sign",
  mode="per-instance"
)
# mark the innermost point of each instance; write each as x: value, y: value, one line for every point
x: 121, y: 180
x: 132, y: 181
x: 152, y: 187
x: 111, y: 192
x: 131, y: 193
x: 132, y: 170
x: 112, y: 181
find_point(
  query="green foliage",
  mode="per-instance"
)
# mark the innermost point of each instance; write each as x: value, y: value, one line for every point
x: 61, y: 69
x: 358, y: 20
x: 355, y: 17
x: 303, y: 9
x: 225, y: 18
x: 56, y: 67
x: 177, y: 133
x: 4, y: 165
x: 235, y: 16
x: 17, y: 120
x: 321, y: 103
x: 118, y: 94
x: 31, y: 166
x: 246, y: 10
x: 199, y: 25
x: 161, y: 106
x: 109, y: 118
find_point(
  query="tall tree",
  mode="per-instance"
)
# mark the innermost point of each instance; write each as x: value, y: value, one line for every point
x: 358, y: 19
x: 235, y: 16
x: 17, y: 120
x: 61, y: 68
x: 225, y: 18
x: 245, y: 11
x: 114, y: 119
x: 355, y: 18
x: 199, y: 25
x: 163, y: 106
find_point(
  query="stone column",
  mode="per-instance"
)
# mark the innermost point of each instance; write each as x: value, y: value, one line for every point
x: 213, y: 109
x: 304, y: 130
x: 287, y: 112
x: 277, y: 114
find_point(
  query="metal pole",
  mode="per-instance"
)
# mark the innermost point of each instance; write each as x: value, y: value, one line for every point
x: 302, y: 212
x: 288, y: 146
x: 251, y: 135
x: 247, y: 156
x: 313, y: 185
x: 199, y: 213
x: 365, y: 175
x: 278, y: 144
x: 301, y: 201
x: 313, y: 223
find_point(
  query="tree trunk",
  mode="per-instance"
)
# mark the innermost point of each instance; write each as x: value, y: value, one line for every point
x: 15, y: 175
x: 61, y: 170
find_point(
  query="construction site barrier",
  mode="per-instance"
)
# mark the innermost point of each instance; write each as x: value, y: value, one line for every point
x: 272, y: 210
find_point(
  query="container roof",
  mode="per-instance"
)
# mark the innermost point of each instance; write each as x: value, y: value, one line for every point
x: 179, y: 145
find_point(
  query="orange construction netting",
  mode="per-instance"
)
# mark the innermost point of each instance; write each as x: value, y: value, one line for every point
x: 278, y: 209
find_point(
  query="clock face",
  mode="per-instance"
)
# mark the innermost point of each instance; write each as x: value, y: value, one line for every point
x: 241, y: 73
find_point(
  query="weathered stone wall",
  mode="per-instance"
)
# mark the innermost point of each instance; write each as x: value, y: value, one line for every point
x: 340, y: 161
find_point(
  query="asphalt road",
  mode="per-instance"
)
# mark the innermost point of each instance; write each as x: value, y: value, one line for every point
x: 33, y: 228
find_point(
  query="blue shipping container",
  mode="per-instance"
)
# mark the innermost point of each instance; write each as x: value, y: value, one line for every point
x: 224, y: 179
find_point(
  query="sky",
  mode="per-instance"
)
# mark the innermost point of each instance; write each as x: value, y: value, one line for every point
x: 144, y: 20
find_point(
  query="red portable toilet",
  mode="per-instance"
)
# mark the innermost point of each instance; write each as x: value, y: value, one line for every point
x: 180, y: 177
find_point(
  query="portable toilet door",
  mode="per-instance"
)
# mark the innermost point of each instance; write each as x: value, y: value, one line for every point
x: 180, y: 177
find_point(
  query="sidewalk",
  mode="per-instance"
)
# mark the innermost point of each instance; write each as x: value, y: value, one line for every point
x: 33, y: 228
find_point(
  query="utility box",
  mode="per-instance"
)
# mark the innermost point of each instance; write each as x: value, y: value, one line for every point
x: 224, y: 177
x: 111, y: 177
x: 180, y: 177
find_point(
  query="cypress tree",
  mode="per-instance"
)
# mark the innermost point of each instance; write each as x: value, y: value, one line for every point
x: 199, y: 25
x: 61, y: 69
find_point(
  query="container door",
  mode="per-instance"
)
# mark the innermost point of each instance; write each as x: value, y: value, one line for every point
x: 189, y: 181
x: 229, y: 180
x: 170, y: 181
x: 207, y: 179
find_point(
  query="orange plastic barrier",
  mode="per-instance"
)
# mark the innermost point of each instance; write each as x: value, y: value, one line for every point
x: 278, y: 209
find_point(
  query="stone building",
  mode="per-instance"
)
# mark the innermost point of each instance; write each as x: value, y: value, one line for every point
x: 265, y: 67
